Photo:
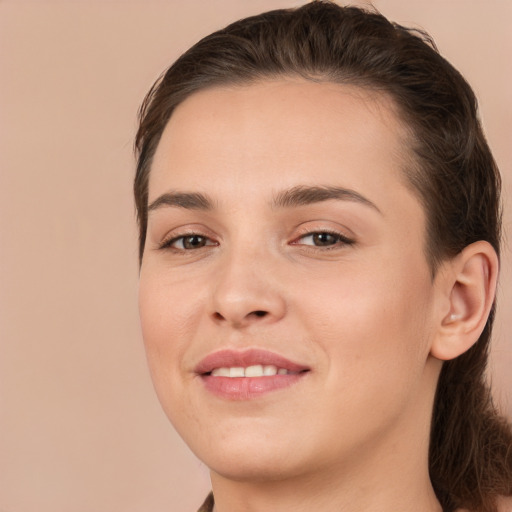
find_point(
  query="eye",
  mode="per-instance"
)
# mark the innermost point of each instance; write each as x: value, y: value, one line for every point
x: 323, y: 239
x: 187, y: 242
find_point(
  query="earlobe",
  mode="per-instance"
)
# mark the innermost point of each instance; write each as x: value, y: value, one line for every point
x: 470, y: 286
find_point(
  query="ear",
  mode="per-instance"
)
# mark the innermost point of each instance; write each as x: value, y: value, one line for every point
x: 469, y: 285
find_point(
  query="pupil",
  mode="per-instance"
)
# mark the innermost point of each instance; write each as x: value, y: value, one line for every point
x: 324, y: 239
x: 193, y: 242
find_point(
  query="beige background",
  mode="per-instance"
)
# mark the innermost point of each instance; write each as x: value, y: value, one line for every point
x: 80, y: 427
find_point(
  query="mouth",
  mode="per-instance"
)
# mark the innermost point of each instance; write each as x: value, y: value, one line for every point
x: 249, y: 374
x: 257, y: 370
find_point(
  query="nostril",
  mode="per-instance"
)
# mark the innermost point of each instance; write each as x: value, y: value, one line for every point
x: 239, y: 319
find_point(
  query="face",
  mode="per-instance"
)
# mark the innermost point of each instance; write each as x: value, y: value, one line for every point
x: 286, y: 303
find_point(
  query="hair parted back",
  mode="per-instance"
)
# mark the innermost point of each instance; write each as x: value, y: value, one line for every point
x: 453, y: 174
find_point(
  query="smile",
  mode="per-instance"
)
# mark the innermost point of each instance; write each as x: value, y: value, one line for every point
x: 249, y: 374
x: 257, y: 370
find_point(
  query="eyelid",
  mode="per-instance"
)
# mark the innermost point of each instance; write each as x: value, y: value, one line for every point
x: 316, y: 226
x: 211, y: 240
x: 342, y: 239
x: 170, y: 243
x: 177, y: 234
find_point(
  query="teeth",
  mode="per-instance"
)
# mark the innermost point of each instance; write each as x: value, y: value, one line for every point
x: 237, y: 371
x: 270, y: 370
x: 256, y: 370
x: 221, y: 372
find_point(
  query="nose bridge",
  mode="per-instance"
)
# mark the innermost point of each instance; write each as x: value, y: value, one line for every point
x: 245, y: 288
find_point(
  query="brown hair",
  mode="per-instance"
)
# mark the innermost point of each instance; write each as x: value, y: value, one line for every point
x: 454, y: 175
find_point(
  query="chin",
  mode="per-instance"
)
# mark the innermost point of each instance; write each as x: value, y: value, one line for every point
x: 252, y: 469
x: 248, y: 457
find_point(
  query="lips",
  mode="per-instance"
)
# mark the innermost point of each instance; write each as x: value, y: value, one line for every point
x: 245, y: 359
x: 243, y: 375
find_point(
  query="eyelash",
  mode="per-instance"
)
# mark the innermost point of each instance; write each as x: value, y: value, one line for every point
x: 340, y: 241
x: 168, y: 244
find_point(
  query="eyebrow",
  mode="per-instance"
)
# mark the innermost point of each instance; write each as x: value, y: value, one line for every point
x: 187, y: 200
x: 304, y: 195
x: 297, y: 196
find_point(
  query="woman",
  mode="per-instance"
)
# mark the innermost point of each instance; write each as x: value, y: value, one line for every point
x: 319, y: 239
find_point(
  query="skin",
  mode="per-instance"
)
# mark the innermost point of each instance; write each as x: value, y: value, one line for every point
x: 362, y: 315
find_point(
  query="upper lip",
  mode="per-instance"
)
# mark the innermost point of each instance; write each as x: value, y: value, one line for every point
x: 234, y: 358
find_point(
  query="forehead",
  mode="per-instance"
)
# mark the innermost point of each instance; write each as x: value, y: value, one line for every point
x: 278, y: 132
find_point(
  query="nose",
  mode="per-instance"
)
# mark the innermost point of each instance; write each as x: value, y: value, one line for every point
x: 246, y: 291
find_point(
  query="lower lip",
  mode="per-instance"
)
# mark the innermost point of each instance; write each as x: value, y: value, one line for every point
x: 247, y: 388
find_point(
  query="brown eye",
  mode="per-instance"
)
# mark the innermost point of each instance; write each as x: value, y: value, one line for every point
x: 324, y: 239
x: 188, y: 242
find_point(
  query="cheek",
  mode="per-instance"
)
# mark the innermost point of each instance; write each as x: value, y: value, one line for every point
x: 372, y: 325
x: 166, y: 320
x: 375, y: 352
x: 168, y: 308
